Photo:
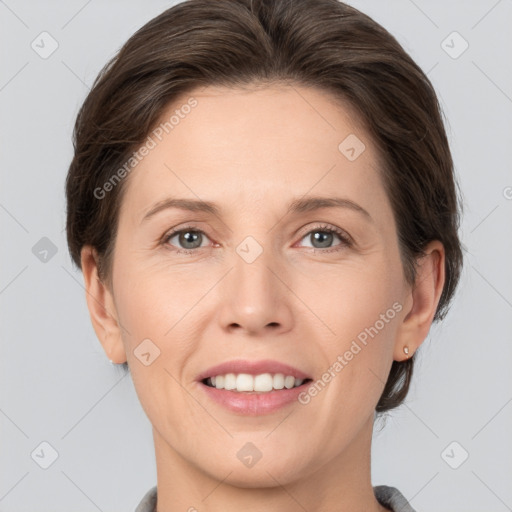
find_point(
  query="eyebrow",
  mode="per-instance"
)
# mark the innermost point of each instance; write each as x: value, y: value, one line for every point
x: 312, y: 203
x: 302, y: 205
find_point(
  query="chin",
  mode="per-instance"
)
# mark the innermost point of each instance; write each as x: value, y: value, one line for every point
x: 268, y: 471
x: 262, y: 477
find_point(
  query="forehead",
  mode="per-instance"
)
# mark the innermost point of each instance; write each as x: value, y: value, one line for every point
x: 257, y: 144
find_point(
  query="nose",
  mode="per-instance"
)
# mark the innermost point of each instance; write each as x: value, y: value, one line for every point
x: 254, y: 297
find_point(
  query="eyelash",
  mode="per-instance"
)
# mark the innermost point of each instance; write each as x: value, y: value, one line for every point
x: 345, y: 239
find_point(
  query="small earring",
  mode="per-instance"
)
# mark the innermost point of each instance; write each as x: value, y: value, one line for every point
x: 406, y: 350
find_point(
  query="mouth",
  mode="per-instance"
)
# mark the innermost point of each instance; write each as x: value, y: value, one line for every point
x: 253, y: 388
x: 252, y: 384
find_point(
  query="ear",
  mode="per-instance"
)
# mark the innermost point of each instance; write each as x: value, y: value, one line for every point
x: 421, y: 301
x: 102, y: 310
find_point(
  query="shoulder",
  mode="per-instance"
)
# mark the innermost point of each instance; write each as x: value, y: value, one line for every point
x: 387, y: 496
x: 392, y: 498
x: 148, y: 502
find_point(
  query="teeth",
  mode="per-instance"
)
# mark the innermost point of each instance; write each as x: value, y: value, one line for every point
x: 230, y: 381
x: 219, y: 382
x: 244, y: 382
x: 289, y: 382
x: 263, y: 383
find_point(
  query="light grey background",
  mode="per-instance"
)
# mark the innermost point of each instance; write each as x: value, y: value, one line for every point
x: 56, y: 384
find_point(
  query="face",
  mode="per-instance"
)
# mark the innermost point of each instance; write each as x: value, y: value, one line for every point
x: 266, y: 273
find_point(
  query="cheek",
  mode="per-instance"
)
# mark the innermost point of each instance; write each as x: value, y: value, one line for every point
x: 157, y: 305
x: 349, y: 299
x: 361, y: 308
x: 156, y: 297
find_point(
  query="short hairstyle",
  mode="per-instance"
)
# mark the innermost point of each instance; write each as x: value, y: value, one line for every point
x: 324, y: 44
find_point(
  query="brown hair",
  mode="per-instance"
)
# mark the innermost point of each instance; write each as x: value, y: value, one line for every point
x: 320, y: 43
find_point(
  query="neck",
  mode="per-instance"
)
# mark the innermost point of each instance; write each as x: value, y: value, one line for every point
x: 342, y: 484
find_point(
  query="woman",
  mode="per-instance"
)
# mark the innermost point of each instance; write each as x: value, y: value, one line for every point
x: 263, y: 204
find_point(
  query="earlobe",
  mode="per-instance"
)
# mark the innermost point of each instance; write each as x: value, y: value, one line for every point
x: 423, y: 298
x: 102, y: 311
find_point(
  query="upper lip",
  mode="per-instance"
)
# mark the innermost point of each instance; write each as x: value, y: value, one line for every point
x: 252, y: 368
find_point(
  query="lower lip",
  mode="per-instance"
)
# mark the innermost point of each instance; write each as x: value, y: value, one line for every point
x: 254, y: 404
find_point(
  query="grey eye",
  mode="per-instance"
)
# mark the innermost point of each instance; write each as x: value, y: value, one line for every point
x: 323, y: 238
x: 187, y: 239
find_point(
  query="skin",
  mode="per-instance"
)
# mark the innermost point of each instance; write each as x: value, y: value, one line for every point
x: 252, y: 151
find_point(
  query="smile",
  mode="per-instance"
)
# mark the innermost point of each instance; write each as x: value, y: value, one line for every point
x: 262, y: 383
x: 253, y: 388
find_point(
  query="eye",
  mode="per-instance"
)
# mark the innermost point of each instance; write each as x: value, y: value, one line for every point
x: 187, y: 239
x: 322, y: 237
